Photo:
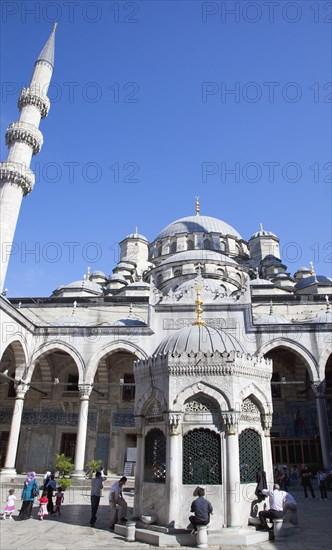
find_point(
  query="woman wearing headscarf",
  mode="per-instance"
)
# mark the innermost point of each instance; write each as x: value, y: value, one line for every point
x: 30, y: 491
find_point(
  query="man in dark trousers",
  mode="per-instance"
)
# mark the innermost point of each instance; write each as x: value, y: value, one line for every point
x: 202, y: 509
x: 305, y: 475
x: 96, y: 488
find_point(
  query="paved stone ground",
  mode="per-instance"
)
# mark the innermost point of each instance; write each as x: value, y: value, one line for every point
x: 71, y: 531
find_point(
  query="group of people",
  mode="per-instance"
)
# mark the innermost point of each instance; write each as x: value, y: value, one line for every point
x: 281, y: 503
x: 31, y: 490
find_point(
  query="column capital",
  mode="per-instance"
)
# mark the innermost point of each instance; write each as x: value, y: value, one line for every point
x: 319, y: 389
x: 173, y: 419
x: 20, y: 388
x: 231, y: 420
x: 267, y: 420
x: 85, y: 391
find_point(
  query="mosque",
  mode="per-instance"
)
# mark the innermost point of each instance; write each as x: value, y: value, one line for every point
x: 197, y: 361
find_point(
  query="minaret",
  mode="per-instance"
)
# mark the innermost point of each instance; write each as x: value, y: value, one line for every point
x: 23, y: 140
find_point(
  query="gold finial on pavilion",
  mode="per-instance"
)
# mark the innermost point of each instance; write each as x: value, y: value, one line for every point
x: 199, y: 310
x: 197, y: 206
x: 55, y: 26
x: 312, y: 269
x: 261, y: 227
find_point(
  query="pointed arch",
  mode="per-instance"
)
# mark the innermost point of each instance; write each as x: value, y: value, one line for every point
x: 324, y: 356
x: 19, y: 350
x: 202, y: 388
x: 150, y: 395
x: 108, y: 349
x: 296, y: 348
x: 258, y: 397
x: 50, y: 347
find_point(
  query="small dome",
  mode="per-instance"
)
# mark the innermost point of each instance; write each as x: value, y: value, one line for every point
x: 314, y: 279
x: 260, y: 282
x: 129, y: 322
x: 198, y: 224
x: 81, y: 286
x: 271, y: 319
x: 263, y: 233
x: 116, y: 277
x: 197, y: 338
x: 303, y: 270
x: 97, y: 274
x: 198, y: 255
x: 324, y: 318
x: 136, y: 236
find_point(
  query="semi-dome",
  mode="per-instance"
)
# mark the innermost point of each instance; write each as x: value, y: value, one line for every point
x: 197, y: 338
x: 198, y: 224
x: 198, y: 255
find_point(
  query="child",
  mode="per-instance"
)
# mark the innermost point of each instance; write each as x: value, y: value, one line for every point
x: 42, y: 512
x: 10, y: 505
x: 59, y: 498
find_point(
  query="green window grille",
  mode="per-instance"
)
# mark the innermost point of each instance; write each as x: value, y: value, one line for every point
x: 155, y: 456
x: 201, y: 458
x: 250, y: 453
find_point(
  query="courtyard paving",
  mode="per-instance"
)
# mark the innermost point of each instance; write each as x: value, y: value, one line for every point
x: 71, y: 530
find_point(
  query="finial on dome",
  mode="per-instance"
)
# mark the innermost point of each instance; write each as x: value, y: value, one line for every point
x: 55, y: 26
x: 257, y: 273
x: 312, y: 269
x: 199, y: 310
x: 136, y: 231
x: 327, y: 303
x: 88, y: 274
x: 271, y: 308
x: 261, y: 227
x: 197, y: 206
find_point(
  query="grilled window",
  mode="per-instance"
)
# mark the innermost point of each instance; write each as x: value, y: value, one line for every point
x: 155, y: 456
x: 201, y: 458
x: 250, y: 455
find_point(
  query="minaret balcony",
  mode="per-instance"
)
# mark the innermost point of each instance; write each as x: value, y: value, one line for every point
x: 30, y: 96
x: 24, y: 133
x: 17, y: 173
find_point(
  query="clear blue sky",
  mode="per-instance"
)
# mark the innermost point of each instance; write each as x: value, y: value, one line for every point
x: 142, y: 121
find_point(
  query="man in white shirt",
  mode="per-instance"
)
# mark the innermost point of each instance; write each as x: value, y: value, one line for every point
x: 115, y: 497
x: 276, y: 510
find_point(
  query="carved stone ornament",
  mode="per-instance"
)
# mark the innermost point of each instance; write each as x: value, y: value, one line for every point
x: 174, y: 419
x: 19, y: 174
x: 85, y: 391
x: 36, y: 98
x: 20, y: 389
x: 231, y: 419
x: 266, y: 423
x: 24, y: 133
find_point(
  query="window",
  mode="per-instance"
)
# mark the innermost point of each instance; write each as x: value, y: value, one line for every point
x: 155, y: 456
x: 128, y: 388
x: 190, y: 244
x: 250, y: 455
x: 159, y: 279
x: 201, y: 458
x: 172, y: 248
x: 207, y: 244
x: 72, y: 384
x: 177, y: 273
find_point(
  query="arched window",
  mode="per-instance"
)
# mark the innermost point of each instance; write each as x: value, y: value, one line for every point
x: 201, y: 458
x: 159, y: 279
x: 172, y: 248
x: 207, y: 244
x: 190, y: 244
x: 155, y: 456
x: 177, y: 272
x: 222, y: 246
x: 250, y: 455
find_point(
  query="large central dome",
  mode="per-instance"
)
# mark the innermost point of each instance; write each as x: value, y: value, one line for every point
x: 198, y: 224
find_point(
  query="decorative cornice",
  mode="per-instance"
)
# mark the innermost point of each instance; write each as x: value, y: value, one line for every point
x: 30, y: 96
x: 18, y: 174
x: 24, y: 133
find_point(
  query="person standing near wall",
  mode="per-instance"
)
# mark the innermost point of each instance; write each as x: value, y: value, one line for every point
x: 115, y: 497
x: 96, y: 489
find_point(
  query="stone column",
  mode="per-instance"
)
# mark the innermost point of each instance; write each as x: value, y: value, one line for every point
x: 266, y: 446
x: 233, y: 469
x: 85, y: 391
x: 319, y: 392
x: 139, y: 477
x: 9, y: 468
x: 173, y: 470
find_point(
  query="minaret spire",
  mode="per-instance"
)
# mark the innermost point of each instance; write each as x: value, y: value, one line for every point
x: 24, y: 140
